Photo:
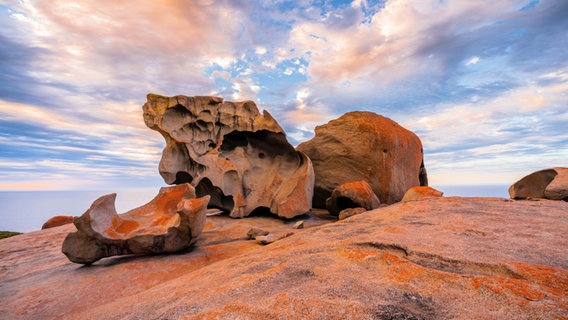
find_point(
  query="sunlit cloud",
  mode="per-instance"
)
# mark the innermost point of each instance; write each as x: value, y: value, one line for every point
x: 483, y: 83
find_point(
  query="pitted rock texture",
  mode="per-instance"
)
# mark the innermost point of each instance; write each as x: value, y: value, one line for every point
x: 421, y: 193
x: 440, y: 258
x: 171, y: 222
x: 230, y: 151
x: 548, y: 183
x: 365, y: 146
x: 357, y: 194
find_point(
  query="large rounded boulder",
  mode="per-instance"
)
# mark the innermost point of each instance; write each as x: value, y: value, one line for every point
x: 548, y: 184
x: 365, y: 146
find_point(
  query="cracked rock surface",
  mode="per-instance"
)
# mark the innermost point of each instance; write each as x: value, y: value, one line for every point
x: 439, y: 258
x: 232, y: 152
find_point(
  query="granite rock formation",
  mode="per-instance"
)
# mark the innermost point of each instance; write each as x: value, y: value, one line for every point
x: 57, y: 221
x: 232, y: 152
x: 365, y: 146
x: 548, y: 184
x: 357, y: 194
x: 171, y: 222
x: 440, y: 258
x: 421, y: 193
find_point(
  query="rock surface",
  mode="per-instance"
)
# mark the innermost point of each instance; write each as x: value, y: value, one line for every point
x: 346, y: 213
x: 171, y: 222
x: 421, y: 193
x: 440, y: 258
x: 57, y: 221
x: 232, y: 152
x: 357, y: 194
x: 365, y: 146
x: 548, y: 183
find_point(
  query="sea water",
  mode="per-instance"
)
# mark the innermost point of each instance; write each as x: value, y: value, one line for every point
x: 26, y: 211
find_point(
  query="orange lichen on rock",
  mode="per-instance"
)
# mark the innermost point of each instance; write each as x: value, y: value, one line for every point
x: 437, y: 267
x: 171, y: 222
x: 420, y: 193
x: 57, y: 221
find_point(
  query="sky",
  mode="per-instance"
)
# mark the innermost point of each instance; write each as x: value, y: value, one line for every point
x: 483, y: 83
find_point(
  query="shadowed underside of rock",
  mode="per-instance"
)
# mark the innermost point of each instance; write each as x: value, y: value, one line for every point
x: 171, y: 222
x: 231, y: 152
x: 352, y: 195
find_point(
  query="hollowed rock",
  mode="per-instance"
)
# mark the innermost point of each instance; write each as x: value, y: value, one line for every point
x: 171, y: 222
x: 232, y: 152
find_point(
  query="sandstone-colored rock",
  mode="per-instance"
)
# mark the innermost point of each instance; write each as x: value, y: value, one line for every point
x: 255, y: 232
x: 232, y: 152
x: 421, y: 193
x: 548, y: 183
x: 171, y: 222
x: 266, y: 239
x: 298, y: 225
x: 57, y: 221
x: 272, y: 237
x: 352, y: 195
x: 365, y: 146
x: 349, y: 212
x: 441, y: 258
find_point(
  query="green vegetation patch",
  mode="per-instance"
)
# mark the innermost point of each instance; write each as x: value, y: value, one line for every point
x: 8, y: 234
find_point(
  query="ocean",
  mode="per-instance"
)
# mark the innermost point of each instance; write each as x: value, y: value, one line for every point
x: 26, y: 211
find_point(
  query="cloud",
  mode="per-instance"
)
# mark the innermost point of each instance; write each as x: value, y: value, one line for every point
x: 410, y: 49
x: 477, y: 80
x: 495, y: 139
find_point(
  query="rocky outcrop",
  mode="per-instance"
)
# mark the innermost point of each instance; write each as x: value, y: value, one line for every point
x: 57, y: 221
x: 440, y: 258
x: 352, y: 195
x: 365, y: 146
x: 548, y: 184
x: 421, y: 193
x: 232, y: 152
x: 171, y: 222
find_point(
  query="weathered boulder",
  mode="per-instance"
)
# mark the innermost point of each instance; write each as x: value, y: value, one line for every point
x: 365, y: 146
x: 57, y: 221
x: 171, y: 222
x: 548, y: 183
x: 421, y: 193
x: 231, y: 152
x: 352, y: 195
